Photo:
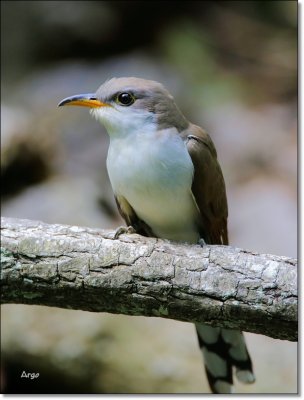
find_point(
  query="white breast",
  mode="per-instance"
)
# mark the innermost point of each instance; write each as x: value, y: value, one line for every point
x: 154, y: 172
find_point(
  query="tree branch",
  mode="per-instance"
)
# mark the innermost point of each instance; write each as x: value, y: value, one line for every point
x: 86, y: 269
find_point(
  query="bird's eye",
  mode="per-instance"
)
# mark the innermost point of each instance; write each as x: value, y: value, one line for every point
x: 125, y: 99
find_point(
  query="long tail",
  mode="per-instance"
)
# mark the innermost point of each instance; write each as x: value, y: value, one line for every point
x: 224, y: 349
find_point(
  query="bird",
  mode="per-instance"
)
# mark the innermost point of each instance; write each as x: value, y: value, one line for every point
x: 168, y: 183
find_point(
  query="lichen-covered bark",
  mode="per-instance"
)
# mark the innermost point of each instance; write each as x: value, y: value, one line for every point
x: 83, y: 268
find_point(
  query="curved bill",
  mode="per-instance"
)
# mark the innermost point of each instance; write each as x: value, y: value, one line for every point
x: 84, y: 100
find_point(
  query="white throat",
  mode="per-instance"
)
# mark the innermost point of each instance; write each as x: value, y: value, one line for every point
x: 120, y: 123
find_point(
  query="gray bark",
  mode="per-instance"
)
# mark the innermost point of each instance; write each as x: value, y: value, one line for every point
x: 86, y: 269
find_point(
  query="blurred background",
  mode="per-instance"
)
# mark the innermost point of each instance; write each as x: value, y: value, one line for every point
x: 232, y: 67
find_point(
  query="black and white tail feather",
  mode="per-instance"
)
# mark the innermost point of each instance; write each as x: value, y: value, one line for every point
x: 224, y: 350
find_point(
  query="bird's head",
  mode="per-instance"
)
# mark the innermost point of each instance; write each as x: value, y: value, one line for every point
x: 131, y: 105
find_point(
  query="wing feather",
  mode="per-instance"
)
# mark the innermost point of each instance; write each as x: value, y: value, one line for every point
x: 131, y: 218
x: 208, y: 186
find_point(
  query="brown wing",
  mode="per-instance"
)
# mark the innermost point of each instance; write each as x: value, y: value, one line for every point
x: 208, y: 186
x: 131, y: 218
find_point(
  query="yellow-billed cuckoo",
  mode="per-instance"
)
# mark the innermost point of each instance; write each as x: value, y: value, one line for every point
x: 168, y: 184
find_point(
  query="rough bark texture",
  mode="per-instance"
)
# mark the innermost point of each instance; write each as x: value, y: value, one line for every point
x: 86, y: 269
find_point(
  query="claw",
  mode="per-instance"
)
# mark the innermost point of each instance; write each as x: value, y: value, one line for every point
x: 122, y: 230
x: 201, y: 242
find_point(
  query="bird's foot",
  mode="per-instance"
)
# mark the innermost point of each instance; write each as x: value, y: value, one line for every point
x: 201, y: 242
x: 122, y: 230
